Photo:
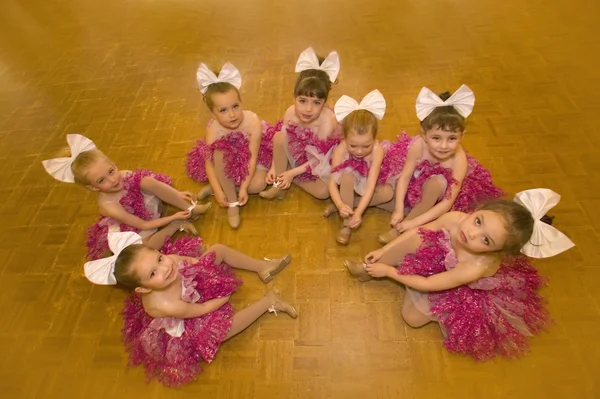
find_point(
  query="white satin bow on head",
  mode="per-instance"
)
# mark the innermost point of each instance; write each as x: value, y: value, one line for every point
x: 374, y: 102
x: 546, y: 241
x: 60, y: 168
x: 308, y: 60
x: 229, y: 74
x: 102, y: 271
x: 463, y: 100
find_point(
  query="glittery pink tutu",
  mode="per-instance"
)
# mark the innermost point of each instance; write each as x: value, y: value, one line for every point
x: 391, y: 167
x: 176, y: 361
x: 303, y: 145
x: 133, y: 202
x: 492, y: 316
x: 236, y: 152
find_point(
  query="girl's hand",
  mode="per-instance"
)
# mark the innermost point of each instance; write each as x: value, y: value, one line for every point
x: 378, y: 269
x: 355, y: 221
x: 397, y: 217
x: 374, y: 256
x: 182, y: 215
x: 220, y: 198
x: 285, y: 180
x: 271, y: 176
x: 403, y: 227
x: 243, y: 196
x: 187, y: 196
x: 344, y: 210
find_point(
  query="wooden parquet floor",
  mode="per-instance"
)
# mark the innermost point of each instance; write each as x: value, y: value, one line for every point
x: 123, y: 73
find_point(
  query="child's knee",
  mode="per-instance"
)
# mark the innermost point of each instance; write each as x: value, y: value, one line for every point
x: 347, y: 178
x: 147, y: 182
x: 413, y: 317
x: 216, y: 249
x: 279, y: 138
x: 436, y: 184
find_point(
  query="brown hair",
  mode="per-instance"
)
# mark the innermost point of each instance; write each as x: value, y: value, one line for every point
x: 446, y: 118
x: 518, y: 223
x: 313, y: 83
x: 83, y: 161
x: 123, y: 272
x: 219, y: 88
x: 361, y: 121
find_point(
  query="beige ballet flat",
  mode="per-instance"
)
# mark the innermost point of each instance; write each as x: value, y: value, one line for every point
x: 278, y: 265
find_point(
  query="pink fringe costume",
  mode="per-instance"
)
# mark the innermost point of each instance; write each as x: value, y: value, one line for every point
x: 236, y: 152
x: 391, y: 167
x: 171, y: 350
x: 477, y: 186
x: 143, y: 205
x: 304, y: 145
x: 492, y: 316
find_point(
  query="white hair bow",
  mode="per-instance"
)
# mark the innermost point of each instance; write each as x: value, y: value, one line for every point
x: 372, y: 102
x: 60, y: 168
x: 102, y: 271
x: 463, y: 100
x: 229, y: 74
x: 308, y: 60
x: 546, y: 240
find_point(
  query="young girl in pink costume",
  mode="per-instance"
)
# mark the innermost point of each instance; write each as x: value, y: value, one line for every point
x: 127, y: 201
x: 361, y: 164
x: 233, y: 158
x: 310, y: 131
x: 463, y: 271
x: 438, y: 175
x: 180, y: 312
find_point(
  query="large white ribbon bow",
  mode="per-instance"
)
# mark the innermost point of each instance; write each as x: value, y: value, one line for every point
x: 463, y: 100
x: 228, y: 74
x: 60, y: 168
x: 308, y: 60
x: 546, y: 240
x: 102, y: 271
x: 374, y: 102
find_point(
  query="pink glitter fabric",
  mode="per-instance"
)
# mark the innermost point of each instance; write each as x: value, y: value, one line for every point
x: 133, y: 202
x: 176, y: 361
x: 265, y: 153
x: 236, y: 152
x: 299, y: 138
x: 492, y: 316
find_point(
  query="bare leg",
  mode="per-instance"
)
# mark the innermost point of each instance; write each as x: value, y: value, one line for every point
x: 265, y: 269
x: 279, y: 164
x: 170, y: 195
x: 411, y: 315
x: 157, y: 239
x: 257, y: 183
x: 244, y: 318
x: 233, y: 214
x: 317, y: 188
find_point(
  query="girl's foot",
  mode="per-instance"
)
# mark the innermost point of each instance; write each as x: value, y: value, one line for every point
x: 357, y: 269
x: 272, y: 193
x: 343, y: 236
x: 233, y: 217
x: 330, y: 210
x: 199, y: 210
x: 188, y: 228
x: 388, y: 237
x: 273, y: 267
x: 206, y: 192
x: 278, y: 304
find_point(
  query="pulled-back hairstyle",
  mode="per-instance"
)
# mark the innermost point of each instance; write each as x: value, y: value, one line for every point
x: 123, y: 272
x: 219, y: 88
x: 446, y: 118
x: 313, y: 83
x: 83, y: 161
x: 518, y: 222
x: 361, y: 121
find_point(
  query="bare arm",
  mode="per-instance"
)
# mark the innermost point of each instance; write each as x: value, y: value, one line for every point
x: 462, y: 274
x: 336, y: 160
x: 118, y: 213
x: 372, y: 177
x: 255, y: 132
x: 185, y: 310
x: 407, y: 172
